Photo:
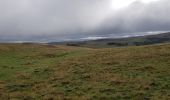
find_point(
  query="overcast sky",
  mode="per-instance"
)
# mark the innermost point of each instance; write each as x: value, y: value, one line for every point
x: 56, y: 20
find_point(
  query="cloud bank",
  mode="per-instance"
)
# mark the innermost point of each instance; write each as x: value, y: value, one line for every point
x: 57, y: 20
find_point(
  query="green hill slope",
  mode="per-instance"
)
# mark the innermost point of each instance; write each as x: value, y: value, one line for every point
x: 47, y: 72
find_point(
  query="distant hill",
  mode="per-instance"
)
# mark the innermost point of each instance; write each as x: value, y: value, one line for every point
x: 118, y: 42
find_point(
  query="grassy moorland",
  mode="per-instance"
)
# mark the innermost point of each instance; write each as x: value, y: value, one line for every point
x: 46, y: 72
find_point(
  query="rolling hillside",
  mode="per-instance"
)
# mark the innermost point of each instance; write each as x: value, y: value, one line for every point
x: 119, y: 42
x: 48, y: 72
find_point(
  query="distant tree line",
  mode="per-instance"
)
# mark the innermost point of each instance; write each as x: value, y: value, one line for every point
x: 117, y: 44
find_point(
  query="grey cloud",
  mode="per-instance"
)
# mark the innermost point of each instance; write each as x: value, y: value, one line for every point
x: 49, y: 17
x: 139, y: 17
x: 48, y: 20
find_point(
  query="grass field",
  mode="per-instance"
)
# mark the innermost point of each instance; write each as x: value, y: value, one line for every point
x: 47, y: 72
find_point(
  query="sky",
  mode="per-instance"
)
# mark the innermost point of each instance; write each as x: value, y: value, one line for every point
x: 60, y: 20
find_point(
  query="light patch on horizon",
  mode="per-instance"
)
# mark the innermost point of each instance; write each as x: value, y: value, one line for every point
x: 94, y: 38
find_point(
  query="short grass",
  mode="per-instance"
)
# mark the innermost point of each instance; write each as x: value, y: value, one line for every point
x: 46, y: 72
